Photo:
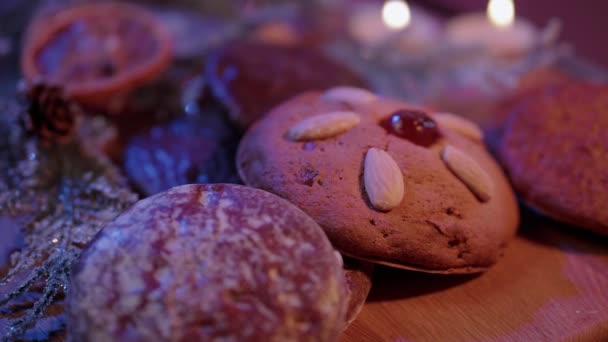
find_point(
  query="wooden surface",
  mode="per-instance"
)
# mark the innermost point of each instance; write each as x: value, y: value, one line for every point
x: 551, y: 285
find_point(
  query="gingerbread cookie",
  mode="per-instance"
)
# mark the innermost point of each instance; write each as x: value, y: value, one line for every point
x: 276, y: 73
x: 526, y: 89
x: 208, y: 262
x: 388, y: 182
x: 555, y: 149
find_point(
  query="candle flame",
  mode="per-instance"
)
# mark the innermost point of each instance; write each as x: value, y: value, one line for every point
x: 501, y: 12
x: 396, y: 14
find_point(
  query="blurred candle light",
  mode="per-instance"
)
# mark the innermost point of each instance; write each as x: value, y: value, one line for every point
x: 396, y: 14
x: 407, y: 28
x: 497, y: 32
x: 501, y: 12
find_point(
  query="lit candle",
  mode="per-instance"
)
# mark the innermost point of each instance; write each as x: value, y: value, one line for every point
x: 498, y: 31
x: 412, y: 30
x: 396, y: 14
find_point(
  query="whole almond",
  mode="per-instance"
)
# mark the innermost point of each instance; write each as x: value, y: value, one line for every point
x: 323, y: 126
x: 469, y: 172
x: 383, y: 180
x: 460, y: 125
x: 349, y: 95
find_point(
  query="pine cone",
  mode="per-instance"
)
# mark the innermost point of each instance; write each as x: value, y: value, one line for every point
x: 50, y: 115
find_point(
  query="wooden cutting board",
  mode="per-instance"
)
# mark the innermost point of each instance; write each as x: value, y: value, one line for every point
x: 551, y: 285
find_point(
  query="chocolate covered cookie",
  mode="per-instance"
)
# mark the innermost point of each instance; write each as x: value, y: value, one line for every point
x: 208, y: 262
x: 555, y: 149
x: 388, y: 182
x: 185, y: 150
x: 250, y: 78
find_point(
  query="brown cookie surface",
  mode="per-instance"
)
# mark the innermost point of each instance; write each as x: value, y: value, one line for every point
x: 207, y: 262
x: 555, y: 149
x: 250, y: 78
x: 527, y: 88
x: 439, y: 223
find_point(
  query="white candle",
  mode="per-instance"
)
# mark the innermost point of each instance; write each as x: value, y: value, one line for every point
x: 412, y: 29
x: 497, y: 31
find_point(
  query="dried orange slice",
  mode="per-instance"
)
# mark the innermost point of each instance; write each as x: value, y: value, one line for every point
x: 96, y: 51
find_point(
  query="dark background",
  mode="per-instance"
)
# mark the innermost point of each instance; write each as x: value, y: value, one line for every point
x: 585, y: 22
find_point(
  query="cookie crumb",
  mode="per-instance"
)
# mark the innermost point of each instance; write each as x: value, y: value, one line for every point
x: 307, y: 175
x: 454, y: 242
x: 388, y: 233
x: 457, y: 240
x: 453, y: 212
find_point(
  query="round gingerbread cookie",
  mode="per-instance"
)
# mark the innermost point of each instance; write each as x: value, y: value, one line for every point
x: 389, y: 183
x: 208, y: 262
x: 526, y: 89
x: 249, y: 78
x: 555, y: 149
